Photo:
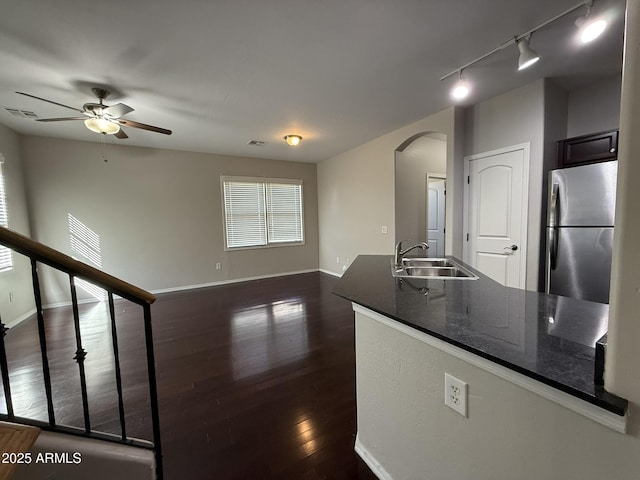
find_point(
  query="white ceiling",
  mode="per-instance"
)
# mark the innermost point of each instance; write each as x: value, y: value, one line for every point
x: 222, y: 72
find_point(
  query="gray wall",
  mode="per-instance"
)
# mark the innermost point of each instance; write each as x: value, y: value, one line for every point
x: 356, y: 193
x: 509, y: 119
x: 595, y: 107
x: 17, y: 280
x: 158, y: 212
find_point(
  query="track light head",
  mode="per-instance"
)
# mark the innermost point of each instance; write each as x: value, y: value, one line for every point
x: 590, y: 28
x: 460, y: 90
x: 527, y: 55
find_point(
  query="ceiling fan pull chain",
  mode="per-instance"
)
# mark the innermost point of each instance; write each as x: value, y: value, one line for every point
x: 104, y: 146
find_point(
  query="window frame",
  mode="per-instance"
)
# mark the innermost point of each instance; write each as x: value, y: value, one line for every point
x: 10, y: 265
x: 265, y: 181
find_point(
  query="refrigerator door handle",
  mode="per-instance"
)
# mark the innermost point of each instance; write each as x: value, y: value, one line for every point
x: 553, y: 222
x: 553, y: 205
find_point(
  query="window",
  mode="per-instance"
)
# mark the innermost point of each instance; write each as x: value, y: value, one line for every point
x: 260, y: 212
x: 6, y: 255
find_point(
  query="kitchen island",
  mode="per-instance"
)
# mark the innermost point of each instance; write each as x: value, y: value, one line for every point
x: 526, y: 356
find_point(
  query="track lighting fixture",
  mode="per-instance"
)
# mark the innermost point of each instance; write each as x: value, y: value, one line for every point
x: 590, y: 29
x: 527, y: 56
x: 461, y: 89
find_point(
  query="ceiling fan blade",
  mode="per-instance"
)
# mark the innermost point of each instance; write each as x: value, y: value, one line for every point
x: 59, y: 119
x: 131, y: 123
x: 121, y: 135
x: 118, y: 110
x: 51, y: 101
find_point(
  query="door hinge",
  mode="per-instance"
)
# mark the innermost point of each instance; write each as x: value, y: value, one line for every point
x: 467, y: 237
x: 445, y: 192
x: 467, y: 179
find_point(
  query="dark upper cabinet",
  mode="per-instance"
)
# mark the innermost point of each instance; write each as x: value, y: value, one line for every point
x: 597, y: 147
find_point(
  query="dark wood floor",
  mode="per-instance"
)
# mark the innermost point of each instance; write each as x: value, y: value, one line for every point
x: 256, y: 380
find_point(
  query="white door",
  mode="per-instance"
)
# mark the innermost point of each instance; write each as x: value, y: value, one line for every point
x: 435, y: 215
x: 497, y: 193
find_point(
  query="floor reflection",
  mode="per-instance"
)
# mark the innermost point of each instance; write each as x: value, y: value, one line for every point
x: 268, y: 335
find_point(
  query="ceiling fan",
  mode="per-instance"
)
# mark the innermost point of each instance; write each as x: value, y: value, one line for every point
x: 101, y: 118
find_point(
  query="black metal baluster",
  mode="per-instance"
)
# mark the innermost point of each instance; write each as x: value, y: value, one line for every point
x: 116, y: 358
x: 153, y: 390
x: 4, y: 367
x: 80, y: 354
x: 43, y: 342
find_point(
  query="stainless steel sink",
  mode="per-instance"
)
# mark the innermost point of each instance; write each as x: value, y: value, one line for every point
x: 432, y: 268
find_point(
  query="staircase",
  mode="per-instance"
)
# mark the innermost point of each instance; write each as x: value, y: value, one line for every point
x: 116, y: 291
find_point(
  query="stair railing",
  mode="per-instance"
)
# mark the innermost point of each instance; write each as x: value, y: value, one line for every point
x: 40, y: 253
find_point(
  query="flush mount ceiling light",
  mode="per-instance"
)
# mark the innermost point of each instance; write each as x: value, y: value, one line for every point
x: 292, y: 140
x: 527, y: 56
x: 102, y: 125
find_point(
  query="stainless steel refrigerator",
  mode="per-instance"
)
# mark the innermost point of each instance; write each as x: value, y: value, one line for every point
x: 581, y: 211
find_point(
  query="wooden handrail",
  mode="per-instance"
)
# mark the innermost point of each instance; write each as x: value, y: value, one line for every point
x: 49, y: 256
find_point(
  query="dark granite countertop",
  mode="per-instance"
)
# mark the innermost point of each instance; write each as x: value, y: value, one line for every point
x: 546, y: 337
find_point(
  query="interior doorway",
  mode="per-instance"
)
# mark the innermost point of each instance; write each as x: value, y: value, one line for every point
x: 436, y: 194
x: 496, y: 207
x: 416, y: 158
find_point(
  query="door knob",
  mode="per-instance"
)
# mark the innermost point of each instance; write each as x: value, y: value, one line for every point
x: 513, y: 248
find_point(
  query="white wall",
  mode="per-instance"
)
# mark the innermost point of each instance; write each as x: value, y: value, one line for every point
x: 424, y: 155
x: 595, y: 107
x: 510, y: 433
x: 509, y: 119
x: 158, y: 212
x: 622, y: 375
x: 356, y: 194
x: 17, y: 280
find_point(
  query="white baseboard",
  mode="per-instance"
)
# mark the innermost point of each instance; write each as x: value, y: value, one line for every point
x: 328, y: 272
x: 49, y: 306
x: 227, y: 282
x: 195, y: 286
x: 371, y: 461
x: 21, y: 318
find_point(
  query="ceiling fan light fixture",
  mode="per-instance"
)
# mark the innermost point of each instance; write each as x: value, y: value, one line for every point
x: 527, y: 55
x: 101, y: 125
x: 292, y: 140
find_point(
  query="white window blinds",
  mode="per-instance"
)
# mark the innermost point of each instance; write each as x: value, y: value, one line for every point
x: 6, y: 255
x: 260, y: 212
x: 284, y: 212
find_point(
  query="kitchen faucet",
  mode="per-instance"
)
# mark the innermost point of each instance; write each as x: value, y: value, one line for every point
x: 400, y: 252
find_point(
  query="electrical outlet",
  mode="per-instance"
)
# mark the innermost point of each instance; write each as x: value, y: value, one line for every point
x: 383, y: 229
x: 455, y: 394
x: 337, y: 259
x: 218, y: 266
x: 11, y: 296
